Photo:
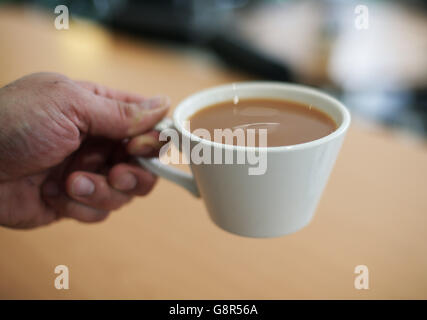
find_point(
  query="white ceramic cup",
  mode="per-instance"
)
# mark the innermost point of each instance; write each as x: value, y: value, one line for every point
x: 284, y: 198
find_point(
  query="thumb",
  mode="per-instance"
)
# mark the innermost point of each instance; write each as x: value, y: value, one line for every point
x: 116, y: 119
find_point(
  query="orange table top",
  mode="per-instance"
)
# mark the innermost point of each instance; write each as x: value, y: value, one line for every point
x: 373, y: 211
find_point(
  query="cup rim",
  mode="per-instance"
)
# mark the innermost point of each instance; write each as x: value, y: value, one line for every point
x: 342, y: 128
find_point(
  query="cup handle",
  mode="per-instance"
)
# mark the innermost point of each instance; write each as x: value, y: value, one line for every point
x: 160, y: 169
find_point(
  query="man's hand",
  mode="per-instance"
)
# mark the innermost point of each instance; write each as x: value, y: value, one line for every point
x: 65, y: 149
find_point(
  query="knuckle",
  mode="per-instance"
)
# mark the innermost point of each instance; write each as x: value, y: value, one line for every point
x: 97, y: 216
x: 60, y: 89
x: 58, y: 81
x: 103, y: 193
x: 125, y: 110
x: 98, y: 89
x: 106, y: 198
x: 145, y: 187
x: 125, y: 113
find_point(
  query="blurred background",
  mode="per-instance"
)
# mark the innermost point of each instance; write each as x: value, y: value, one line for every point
x: 380, y: 71
x: 164, y: 246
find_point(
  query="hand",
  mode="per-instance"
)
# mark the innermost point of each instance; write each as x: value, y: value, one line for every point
x: 65, y: 149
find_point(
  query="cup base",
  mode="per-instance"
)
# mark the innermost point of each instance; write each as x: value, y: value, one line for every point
x: 260, y: 234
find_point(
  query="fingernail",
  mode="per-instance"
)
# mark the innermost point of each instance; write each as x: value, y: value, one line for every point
x: 144, y: 150
x: 157, y: 102
x: 125, y: 182
x: 50, y: 189
x: 146, y: 109
x: 151, y: 106
x: 144, y: 144
x: 82, y: 186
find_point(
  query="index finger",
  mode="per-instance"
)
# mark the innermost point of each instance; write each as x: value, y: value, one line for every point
x: 110, y: 93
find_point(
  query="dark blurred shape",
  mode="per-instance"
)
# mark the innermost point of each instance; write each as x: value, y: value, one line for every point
x: 203, y: 23
x: 207, y: 24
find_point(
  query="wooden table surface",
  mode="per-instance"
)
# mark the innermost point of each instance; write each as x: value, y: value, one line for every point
x: 373, y: 211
